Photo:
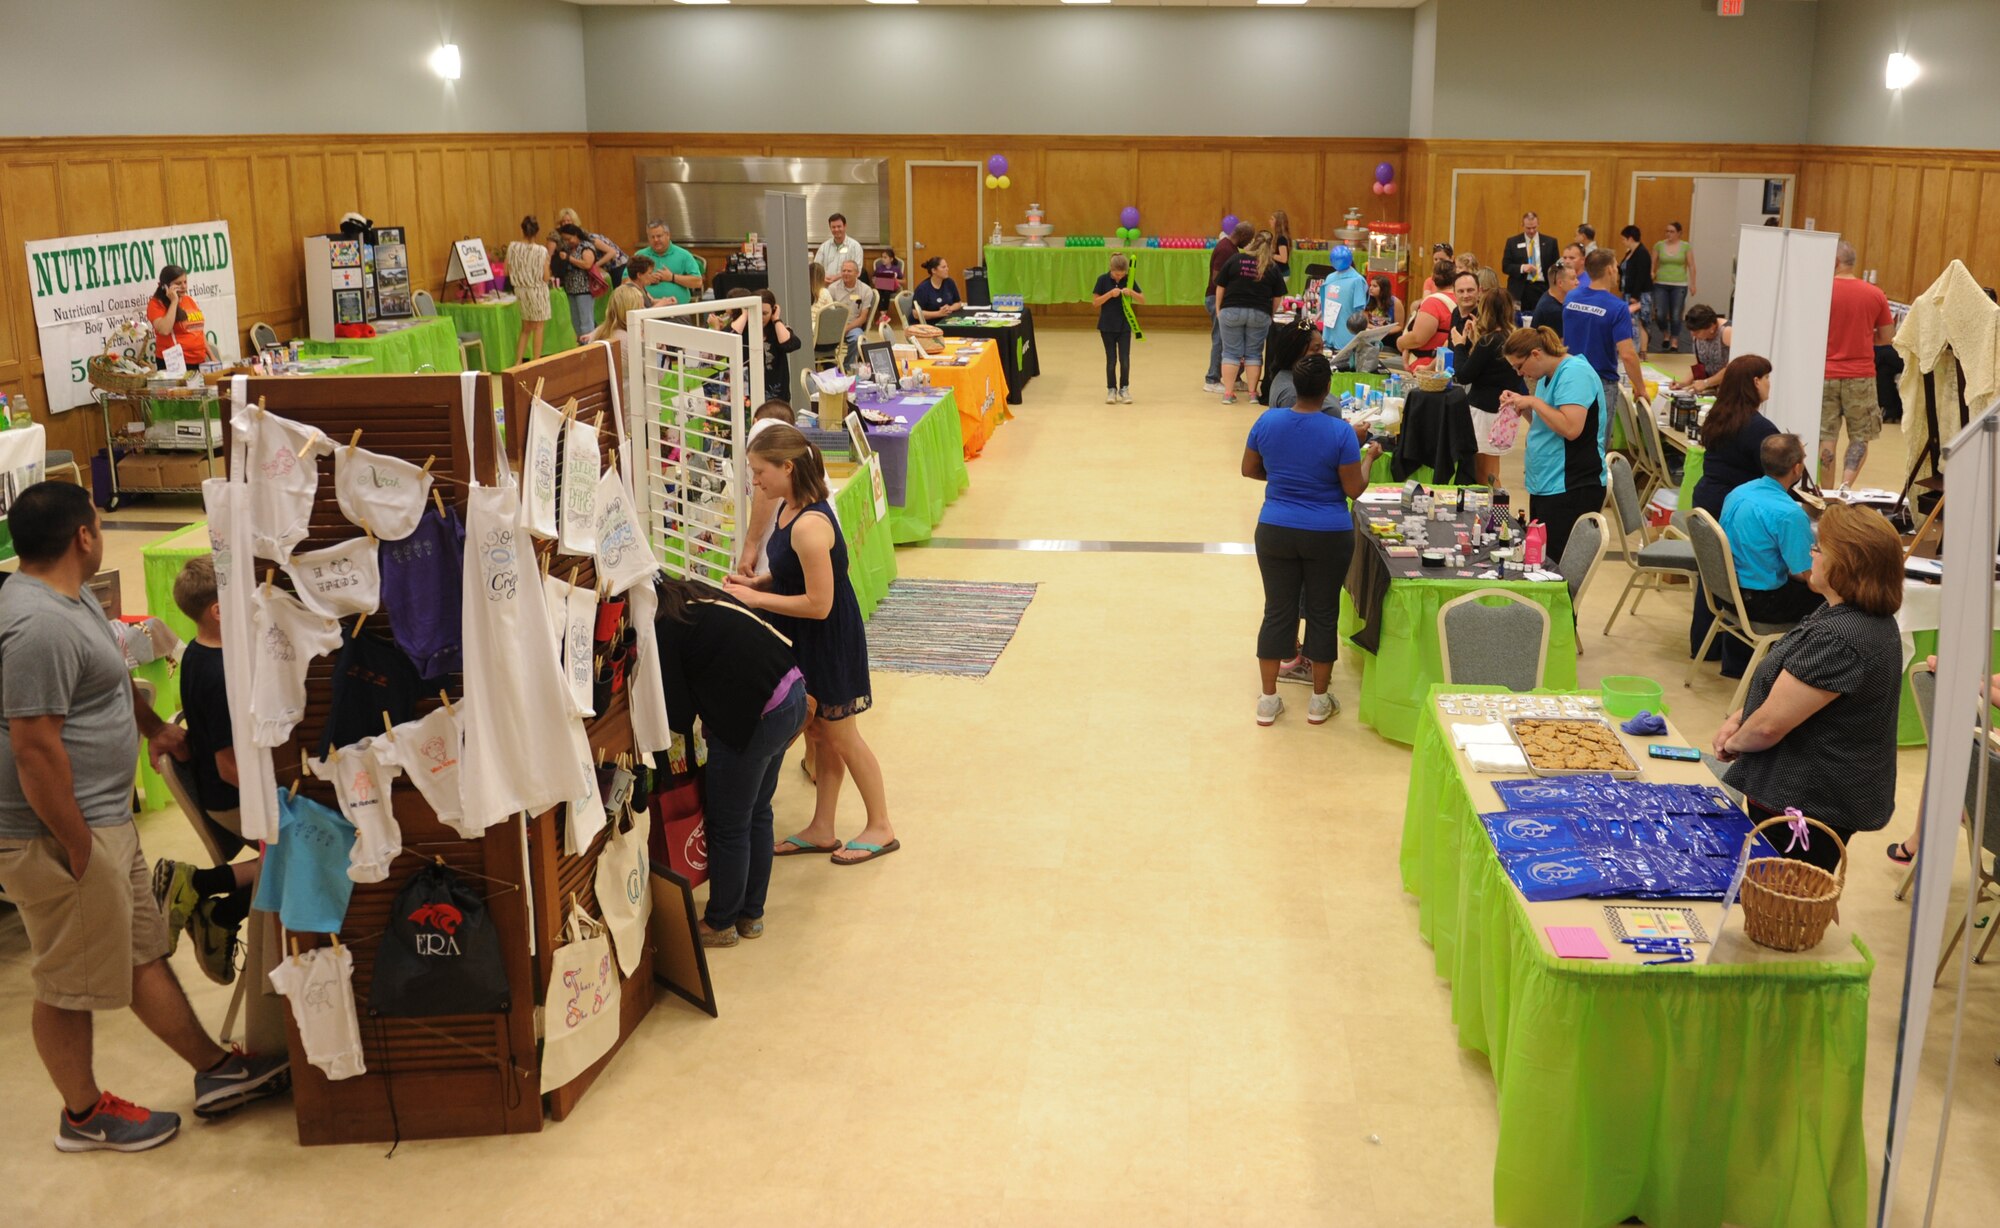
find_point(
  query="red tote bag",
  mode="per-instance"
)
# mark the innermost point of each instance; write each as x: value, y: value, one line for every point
x: 679, y: 840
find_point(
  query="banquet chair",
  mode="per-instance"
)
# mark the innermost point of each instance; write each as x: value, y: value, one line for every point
x: 1652, y: 562
x: 1656, y: 453
x: 180, y: 786
x: 1724, y: 595
x: 426, y: 306
x: 830, y: 335
x: 906, y: 308
x: 1490, y: 639
x: 1580, y: 556
x: 264, y: 337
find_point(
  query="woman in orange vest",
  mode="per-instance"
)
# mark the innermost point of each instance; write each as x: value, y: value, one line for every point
x: 176, y: 319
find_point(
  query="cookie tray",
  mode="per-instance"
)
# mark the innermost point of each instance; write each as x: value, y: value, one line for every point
x: 1631, y: 773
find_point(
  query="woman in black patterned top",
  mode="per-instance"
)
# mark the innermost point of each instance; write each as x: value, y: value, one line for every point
x: 1818, y: 729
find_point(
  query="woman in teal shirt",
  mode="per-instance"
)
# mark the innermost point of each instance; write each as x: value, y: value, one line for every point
x: 1565, y: 458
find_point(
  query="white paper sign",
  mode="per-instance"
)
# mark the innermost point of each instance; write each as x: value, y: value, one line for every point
x: 468, y: 262
x: 82, y: 285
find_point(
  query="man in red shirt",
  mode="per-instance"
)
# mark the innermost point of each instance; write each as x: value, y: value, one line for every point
x: 1857, y: 321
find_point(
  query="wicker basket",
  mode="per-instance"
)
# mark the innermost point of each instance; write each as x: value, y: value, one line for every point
x: 1786, y: 903
x: 1432, y: 379
x: 101, y: 375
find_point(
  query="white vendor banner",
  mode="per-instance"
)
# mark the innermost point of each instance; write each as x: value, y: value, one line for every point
x: 83, y: 286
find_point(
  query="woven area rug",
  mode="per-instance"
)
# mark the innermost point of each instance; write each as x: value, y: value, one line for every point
x: 954, y: 627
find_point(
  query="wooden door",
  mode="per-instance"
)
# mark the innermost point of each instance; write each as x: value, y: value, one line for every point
x: 944, y: 219
x: 1661, y: 199
x: 1488, y: 209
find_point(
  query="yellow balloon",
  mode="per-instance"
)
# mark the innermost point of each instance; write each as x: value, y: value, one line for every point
x: 1005, y: 183
x: 992, y: 181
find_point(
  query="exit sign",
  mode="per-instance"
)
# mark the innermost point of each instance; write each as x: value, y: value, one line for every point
x: 1729, y: 8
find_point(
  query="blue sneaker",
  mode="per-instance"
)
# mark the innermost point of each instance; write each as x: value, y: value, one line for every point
x: 241, y: 1078
x: 116, y: 1125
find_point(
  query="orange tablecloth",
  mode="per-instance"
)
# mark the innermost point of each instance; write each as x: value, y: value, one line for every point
x: 980, y: 388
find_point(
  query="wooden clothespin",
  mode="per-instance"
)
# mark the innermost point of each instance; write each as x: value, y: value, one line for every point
x: 539, y: 381
x: 364, y: 525
x: 352, y: 440
x: 257, y: 406
x: 600, y: 756
x: 388, y: 727
x: 292, y: 940
x: 308, y: 444
x: 358, y: 620
x: 439, y: 500
x: 428, y: 462
x: 336, y: 943
x: 270, y: 574
x: 447, y: 702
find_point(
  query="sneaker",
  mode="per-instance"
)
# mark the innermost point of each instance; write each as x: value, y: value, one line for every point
x: 116, y: 1125
x: 1320, y: 708
x: 241, y: 1078
x: 1111, y: 396
x: 750, y: 927
x: 1298, y: 669
x: 214, y: 945
x: 173, y: 891
x: 1268, y: 707
x: 1229, y: 398
x: 1214, y: 385
x: 1125, y: 396
x: 719, y: 938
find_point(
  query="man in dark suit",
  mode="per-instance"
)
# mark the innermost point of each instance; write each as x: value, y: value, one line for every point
x: 1525, y: 261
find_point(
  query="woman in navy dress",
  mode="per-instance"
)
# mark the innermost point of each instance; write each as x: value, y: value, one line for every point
x: 808, y: 596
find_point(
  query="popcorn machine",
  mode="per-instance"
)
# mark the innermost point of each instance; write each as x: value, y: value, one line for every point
x: 1389, y: 254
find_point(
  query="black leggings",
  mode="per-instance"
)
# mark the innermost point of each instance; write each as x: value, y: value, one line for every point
x: 1117, y: 359
x: 1561, y: 512
x: 1301, y: 567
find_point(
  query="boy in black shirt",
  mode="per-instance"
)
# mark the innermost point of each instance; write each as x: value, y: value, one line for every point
x: 1115, y: 328
x: 210, y: 904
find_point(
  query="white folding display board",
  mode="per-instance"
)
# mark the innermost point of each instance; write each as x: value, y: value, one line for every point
x: 1784, y: 286
x: 687, y: 388
x: 1965, y: 661
x: 468, y: 262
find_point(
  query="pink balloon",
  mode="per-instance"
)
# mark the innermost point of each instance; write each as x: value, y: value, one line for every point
x: 1377, y: 188
x: 1388, y: 189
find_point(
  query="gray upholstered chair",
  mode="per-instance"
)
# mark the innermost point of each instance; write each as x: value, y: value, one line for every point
x: 1651, y: 563
x: 1586, y: 545
x: 1487, y: 645
x: 263, y: 337
x: 1724, y: 595
x: 906, y: 307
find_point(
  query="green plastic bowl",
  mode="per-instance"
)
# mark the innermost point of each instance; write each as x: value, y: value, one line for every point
x: 1628, y: 695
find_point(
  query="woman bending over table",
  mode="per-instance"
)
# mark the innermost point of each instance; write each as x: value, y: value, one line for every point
x: 808, y: 596
x: 1311, y: 464
x: 1565, y: 462
x: 1817, y: 731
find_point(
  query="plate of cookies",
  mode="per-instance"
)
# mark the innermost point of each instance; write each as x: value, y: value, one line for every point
x: 1572, y: 746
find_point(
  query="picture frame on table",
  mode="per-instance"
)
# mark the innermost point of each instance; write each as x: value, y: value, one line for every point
x: 881, y: 359
x: 857, y: 435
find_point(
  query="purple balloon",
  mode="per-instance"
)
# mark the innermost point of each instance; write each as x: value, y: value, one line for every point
x: 1384, y: 172
x: 997, y: 164
x: 1129, y: 215
x: 1228, y: 222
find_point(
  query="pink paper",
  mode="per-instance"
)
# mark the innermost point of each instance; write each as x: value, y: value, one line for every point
x: 1576, y: 942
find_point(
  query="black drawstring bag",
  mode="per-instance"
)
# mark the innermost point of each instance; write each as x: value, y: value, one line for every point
x: 441, y: 954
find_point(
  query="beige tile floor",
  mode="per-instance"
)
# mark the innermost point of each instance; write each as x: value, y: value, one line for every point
x: 1140, y: 962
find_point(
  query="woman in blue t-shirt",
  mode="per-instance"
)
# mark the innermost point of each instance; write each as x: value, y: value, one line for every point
x: 936, y: 296
x: 1565, y: 460
x: 1312, y: 465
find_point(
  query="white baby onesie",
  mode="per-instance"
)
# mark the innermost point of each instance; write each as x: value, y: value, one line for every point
x: 427, y: 751
x: 285, y: 637
x: 579, y: 490
x: 340, y: 580
x: 320, y: 985
x: 285, y: 455
x: 623, y: 556
x: 573, y: 618
x: 383, y: 494
x: 538, y: 499
x: 362, y: 775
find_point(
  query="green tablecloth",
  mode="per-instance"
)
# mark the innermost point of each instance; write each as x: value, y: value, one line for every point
x: 871, y: 545
x: 1169, y: 277
x: 1691, y: 475
x: 936, y: 475
x: 433, y: 341
x: 1395, y: 680
x: 160, y: 563
x: 1688, y: 1096
x: 499, y: 328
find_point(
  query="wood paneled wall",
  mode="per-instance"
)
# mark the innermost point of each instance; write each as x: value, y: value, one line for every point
x: 1907, y: 211
x: 272, y: 191
x: 1182, y: 186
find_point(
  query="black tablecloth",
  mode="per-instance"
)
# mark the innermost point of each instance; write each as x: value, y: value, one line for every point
x: 1019, y: 361
x: 1371, y: 570
x: 1437, y: 431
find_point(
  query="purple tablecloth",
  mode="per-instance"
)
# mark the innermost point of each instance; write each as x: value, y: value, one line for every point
x: 892, y: 442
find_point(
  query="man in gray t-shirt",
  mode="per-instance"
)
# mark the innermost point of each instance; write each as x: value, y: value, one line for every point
x: 69, y: 855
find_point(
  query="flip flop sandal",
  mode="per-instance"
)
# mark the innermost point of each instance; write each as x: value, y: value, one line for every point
x: 873, y: 851
x: 801, y: 848
x: 1900, y: 853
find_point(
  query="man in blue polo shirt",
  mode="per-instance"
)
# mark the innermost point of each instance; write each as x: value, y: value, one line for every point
x: 1772, y: 538
x: 1597, y: 325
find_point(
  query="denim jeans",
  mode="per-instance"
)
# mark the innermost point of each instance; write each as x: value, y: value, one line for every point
x: 1643, y: 331
x: 853, y: 346
x: 1214, y: 341
x: 1668, y: 304
x: 1244, y: 330
x: 737, y: 812
x: 582, y: 314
